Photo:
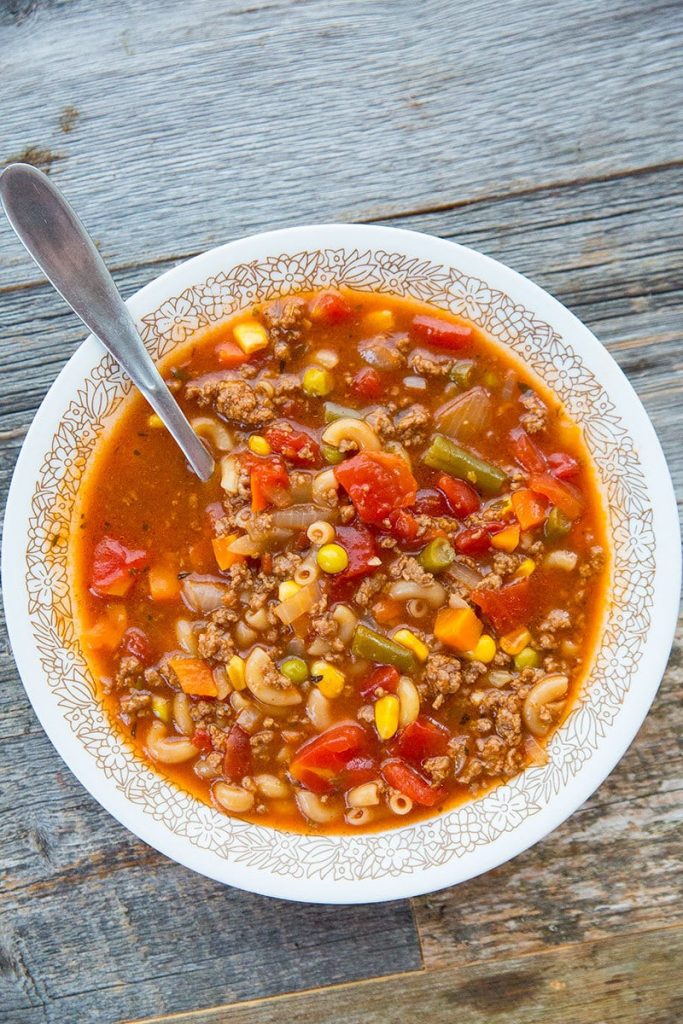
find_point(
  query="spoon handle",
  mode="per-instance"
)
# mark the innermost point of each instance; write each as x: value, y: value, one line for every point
x: 64, y: 251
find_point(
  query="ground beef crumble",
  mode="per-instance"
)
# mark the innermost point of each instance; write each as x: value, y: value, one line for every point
x: 535, y: 419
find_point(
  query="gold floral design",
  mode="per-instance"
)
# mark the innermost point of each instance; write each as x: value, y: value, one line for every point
x: 463, y: 830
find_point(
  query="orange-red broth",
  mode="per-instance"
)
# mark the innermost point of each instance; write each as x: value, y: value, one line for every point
x: 140, y: 490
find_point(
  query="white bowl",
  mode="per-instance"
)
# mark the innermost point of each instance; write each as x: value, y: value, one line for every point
x: 630, y: 658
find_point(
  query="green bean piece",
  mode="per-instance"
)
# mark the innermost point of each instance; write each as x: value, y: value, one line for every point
x: 295, y: 669
x: 462, y: 372
x: 331, y: 454
x: 380, y: 649
x: 334, y: 411
x: 445, y: 455
x: 557, y: 524
x: 437, y: 556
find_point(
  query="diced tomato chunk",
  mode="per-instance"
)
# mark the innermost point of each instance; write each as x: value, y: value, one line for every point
x: 237, y: 757
x: 269, y: 479
x: 359, y: 545
x: 295, y: 445
x: 526, y: 452
x: 330, y: 308
x: 421, y: 739
x: 403, y: 525
x: 358, y: 770
x: 229, y: 354
x: 320, y: 764
x: 202, y: 740
x: 473, y: 542
x: 408, y: 781
x: 506, y: 607
x: 384, y: 677
x: 563, y: 466
x: 377, y: 483
x: 136, y: 642
x: 440, y: 333
x: 558, y: 493
x: 430, y: 502
x: 114, y: 567
x: 368, y: 383
x: 461, y: 497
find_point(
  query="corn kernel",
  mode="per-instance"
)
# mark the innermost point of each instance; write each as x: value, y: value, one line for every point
x: 379, y: 320
x: 250, y: 336
x: 161, y: 708
x: 317, y: 382
x: 236, y: 673
x: 516, y: 641
x: 288, y: 588
x: 525, y: 569
x: 332, y: 558
x: 506, y: 540
x: 485, y: 649
x: 386, y: 715
x: 155, y: 422
x: 258, y: 445
x: 408, y: 639
x: 528, y: 658
x: 329, y: 679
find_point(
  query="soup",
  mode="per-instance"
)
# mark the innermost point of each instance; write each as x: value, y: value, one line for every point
x: 386, y: 598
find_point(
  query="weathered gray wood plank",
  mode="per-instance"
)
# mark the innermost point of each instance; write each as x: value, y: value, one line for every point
x: 628, y: 979
x: 202, y: 122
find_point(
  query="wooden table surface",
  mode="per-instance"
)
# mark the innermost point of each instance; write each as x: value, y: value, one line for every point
x: 547, y: 135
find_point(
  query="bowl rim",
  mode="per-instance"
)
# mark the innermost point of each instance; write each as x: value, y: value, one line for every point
x: 658, y: 640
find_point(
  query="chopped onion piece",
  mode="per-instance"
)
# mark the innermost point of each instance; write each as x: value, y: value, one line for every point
x: 415, y: 383
x: 203, y: 593
x: 299, y: 517
x: 463, y: 574
x: 467, y: 416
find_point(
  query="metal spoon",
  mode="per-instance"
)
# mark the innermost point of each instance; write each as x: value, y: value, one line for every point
x: 65, y: 252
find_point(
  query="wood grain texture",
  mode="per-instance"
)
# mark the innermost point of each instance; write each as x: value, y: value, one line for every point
x: 201, y: 122
x: 543, y: 135
x: 627, y: 979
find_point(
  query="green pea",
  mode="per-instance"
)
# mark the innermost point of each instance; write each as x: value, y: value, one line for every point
x: 528, y: 658
x: 295, y: 669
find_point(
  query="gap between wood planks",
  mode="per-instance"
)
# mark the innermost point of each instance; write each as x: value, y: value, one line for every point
x: 532, y: 985
x: 381, y: 214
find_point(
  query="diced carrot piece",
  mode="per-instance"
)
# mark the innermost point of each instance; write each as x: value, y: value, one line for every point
x: 458, y: 628
x: 194, y: 676
x: 106, y: 634
x: 224, y: 557
x: 386, y: 610
x: 507, y: 539
x: 163, y: 582
x: 530, y: 508
x: 229, y: 354
x: 201, y: 556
